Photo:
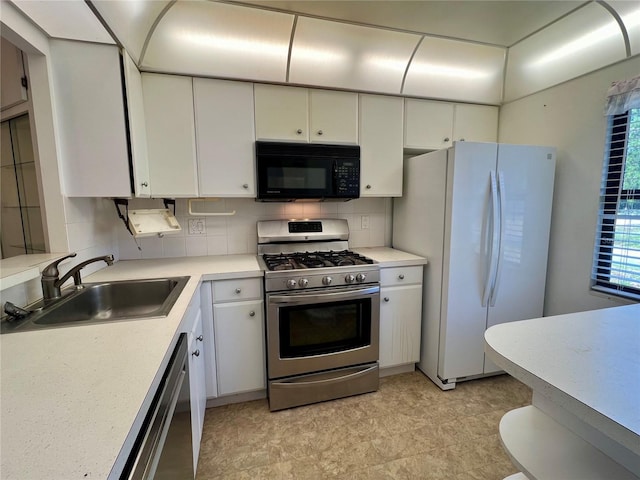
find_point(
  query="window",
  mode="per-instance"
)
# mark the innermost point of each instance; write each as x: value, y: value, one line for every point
x: 616, y: 265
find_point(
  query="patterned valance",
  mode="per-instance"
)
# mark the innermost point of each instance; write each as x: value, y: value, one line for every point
x: 622, y: 96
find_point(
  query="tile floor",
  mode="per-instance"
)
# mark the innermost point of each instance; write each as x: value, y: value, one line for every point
x: 409, y: 429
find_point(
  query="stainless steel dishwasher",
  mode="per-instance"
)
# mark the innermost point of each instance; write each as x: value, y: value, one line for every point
x: 163, y: 448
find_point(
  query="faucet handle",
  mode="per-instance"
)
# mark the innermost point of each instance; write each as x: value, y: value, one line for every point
x: 51, y: 270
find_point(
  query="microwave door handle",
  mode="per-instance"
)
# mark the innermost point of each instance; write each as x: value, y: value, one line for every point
x: 322, y: 297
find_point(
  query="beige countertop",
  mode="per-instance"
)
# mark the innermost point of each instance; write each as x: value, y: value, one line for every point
x: 390, y: 257
x: 73, y: 398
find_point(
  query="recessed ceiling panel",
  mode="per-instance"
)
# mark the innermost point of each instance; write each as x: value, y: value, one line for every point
x: 340, y: 55
x: 220, y: 40
x: 582, y: 42
x: 68, y: 19
x: 130, y: 21
x: 630, y: 14
x: 496, y: 22
x: 449, y: 69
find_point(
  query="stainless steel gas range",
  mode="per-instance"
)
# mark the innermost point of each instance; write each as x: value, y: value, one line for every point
x: 322, y: 312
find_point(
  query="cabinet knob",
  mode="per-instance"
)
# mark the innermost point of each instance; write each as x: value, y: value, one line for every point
x: 401, y: 276
x: 462, y: 139
x: 386, y: 299
x: 245, y: 185
x: 144, y: 184
x: 196, y: 353
x: 319, y: 132
x: 238, y: 290
x: 299, y: 131
x: 368, y: 187
x: 200, y: 338
x: 446, y: 139
x: 252, y: 313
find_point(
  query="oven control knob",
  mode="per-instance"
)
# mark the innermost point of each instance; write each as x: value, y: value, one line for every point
x: 303, y: 282
x: 350, y: 278
x: 361, y: 277
x: 327, y: 280
x: 291, y: 283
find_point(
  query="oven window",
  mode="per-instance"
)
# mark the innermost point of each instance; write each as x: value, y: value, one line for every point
x: 324, y: 328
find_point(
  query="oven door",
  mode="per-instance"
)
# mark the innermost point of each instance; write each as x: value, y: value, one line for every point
x: 322, y: 329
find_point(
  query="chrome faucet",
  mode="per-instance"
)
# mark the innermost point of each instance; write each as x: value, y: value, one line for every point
x: 51, y: 283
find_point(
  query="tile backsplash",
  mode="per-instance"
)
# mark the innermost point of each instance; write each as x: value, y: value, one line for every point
x: 236, y: 233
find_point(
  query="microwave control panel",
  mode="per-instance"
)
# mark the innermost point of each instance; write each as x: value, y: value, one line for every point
x: 347, y: 176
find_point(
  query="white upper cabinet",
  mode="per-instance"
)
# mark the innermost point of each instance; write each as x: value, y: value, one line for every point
x: 168, y: 109
x: 427, y: 125
x: 281, y: 113
x: 333, y: 117
x: 137, y: 128
x: 89, y: 106
x: 475, y: 123
x: 380, y: 146
x: 434, y: 125
x: 303, y: 115
x: 12, y: 91
x: 224, y: 137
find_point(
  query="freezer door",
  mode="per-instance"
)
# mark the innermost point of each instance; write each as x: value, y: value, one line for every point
x: 527, y: 177
x: 467, y: 249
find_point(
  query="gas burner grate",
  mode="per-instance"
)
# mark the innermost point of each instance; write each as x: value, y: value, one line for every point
x: 303, y: 260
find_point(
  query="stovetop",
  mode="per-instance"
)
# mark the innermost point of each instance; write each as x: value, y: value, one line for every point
x: 304, y: 260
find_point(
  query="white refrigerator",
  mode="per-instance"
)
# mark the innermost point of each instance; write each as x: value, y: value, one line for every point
x: 480, y: 213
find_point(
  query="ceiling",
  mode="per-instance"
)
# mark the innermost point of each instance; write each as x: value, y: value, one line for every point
x: 499, y: 22
x: 471, y: 51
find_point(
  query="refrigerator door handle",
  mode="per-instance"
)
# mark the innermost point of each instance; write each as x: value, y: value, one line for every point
x: 495, y: 219
x: 501, y: 198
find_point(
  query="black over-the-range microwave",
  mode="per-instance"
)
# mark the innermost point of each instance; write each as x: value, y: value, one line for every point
x: 307, y: 171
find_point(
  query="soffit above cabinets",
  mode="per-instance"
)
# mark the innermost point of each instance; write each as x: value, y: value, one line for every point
x: 584, y: 41
x: 341, y: 55
x: 69, y: 19
x: 220, y: 40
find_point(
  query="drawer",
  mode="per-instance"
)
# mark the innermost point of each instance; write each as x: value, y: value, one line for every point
x: 400, y: 276
x: 237, y: 289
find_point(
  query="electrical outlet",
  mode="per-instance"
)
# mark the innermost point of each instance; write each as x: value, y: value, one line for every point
x: 197, y: 226
x: 364, y: 222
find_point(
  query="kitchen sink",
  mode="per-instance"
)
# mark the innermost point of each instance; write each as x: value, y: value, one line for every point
x: 101, y: 303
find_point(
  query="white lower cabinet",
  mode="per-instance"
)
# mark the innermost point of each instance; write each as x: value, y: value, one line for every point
x: 240, y: 353
x: 197, y: 384
x: 238, y: 331
x: 400, y: 315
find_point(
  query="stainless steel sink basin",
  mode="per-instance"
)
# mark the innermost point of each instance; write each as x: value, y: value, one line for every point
x: 103, y: 302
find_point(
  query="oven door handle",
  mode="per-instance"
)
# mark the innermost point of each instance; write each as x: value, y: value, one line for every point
x: 322, y: 297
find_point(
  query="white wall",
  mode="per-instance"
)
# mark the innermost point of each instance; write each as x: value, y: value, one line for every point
x: 237, y: 234
x: 570, y: 117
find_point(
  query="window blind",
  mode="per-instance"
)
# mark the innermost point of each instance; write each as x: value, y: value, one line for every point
x: 616, y: 263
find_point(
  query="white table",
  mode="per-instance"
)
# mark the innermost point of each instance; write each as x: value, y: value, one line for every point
x: 584, y: 369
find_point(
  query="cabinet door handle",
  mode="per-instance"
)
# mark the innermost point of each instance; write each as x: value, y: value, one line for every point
x: 144, y: 184
x: 299, y: 131
x: 200, y: 338
x: 386, y: 299
x: 238, y: 290
x: 252, y: 313
x: 462, y: 139
x: 319, y: 132
x: 368, y: 187
x: 401, y: 276
x: 196, y: 353
x: 245, y: 186
x: 446, y: 139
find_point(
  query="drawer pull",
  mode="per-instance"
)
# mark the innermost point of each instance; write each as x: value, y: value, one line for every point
x: 238, y: 290
x: 200, y: 338
x: 299, y: 131
x: 386, y: 299
x: 196, y: 353
x: 401, y: 276
x: 252, y: 313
